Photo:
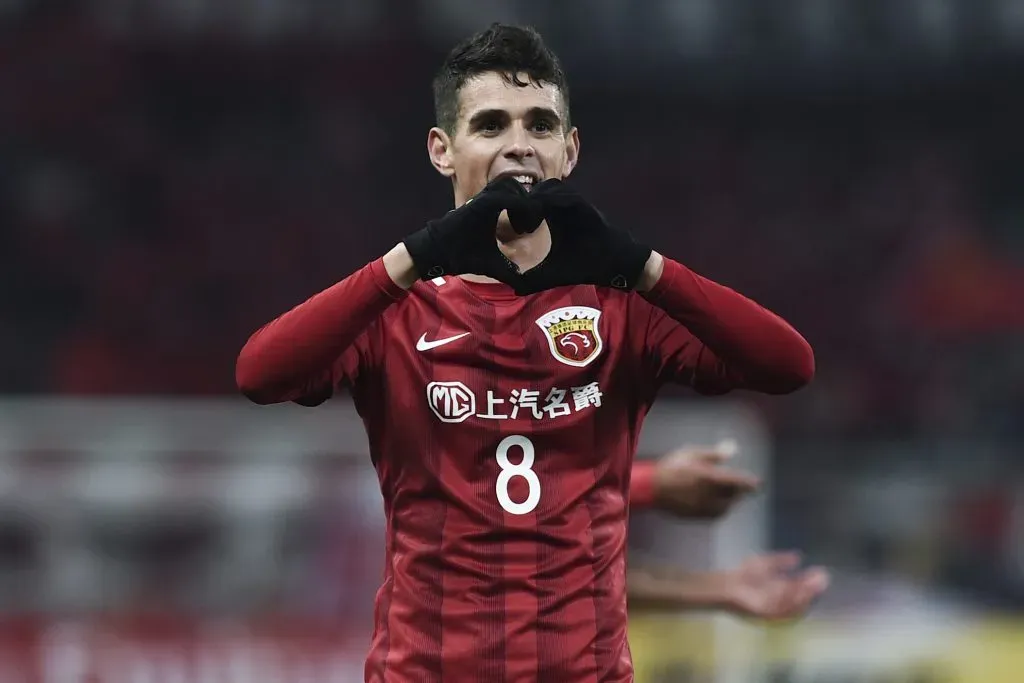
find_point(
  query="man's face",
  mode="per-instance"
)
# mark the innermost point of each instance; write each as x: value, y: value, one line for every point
x: 504, y: 129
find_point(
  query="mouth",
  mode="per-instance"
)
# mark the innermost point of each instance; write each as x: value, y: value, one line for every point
x: 527, y: 179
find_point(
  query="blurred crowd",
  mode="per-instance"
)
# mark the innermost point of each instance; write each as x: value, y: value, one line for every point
x: 159, y: 202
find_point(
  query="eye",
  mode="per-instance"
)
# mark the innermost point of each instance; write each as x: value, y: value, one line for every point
x: 491, y: 126
x: 542, y: 126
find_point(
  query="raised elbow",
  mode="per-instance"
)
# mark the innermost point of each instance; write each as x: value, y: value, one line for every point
x: 251, y: 382
x: 258, y: 396
x: 797, y: 371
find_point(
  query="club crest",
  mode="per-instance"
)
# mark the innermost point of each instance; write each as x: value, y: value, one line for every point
x: 572, y: 334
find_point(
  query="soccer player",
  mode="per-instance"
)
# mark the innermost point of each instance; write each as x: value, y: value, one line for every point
x: 503, y: 358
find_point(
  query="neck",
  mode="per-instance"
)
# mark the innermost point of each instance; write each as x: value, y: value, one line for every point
x: 526, y: 251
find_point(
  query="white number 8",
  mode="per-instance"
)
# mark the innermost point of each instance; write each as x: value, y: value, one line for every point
x: 524, y: 469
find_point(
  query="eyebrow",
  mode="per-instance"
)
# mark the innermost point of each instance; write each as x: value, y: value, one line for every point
x: 534, y: 113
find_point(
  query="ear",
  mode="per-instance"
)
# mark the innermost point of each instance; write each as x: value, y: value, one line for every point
x: 439, y: 149
x: 572, y: 151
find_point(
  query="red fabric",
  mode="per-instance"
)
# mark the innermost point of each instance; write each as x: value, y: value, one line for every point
x: 474, y: 400
x: 281, y: 358
x: 744, y: 344
x: 641, y: 486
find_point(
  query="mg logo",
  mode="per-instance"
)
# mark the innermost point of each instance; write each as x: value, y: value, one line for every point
x: 451, y: 401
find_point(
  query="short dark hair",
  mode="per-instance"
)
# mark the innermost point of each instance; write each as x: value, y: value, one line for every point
x: 501, y: 48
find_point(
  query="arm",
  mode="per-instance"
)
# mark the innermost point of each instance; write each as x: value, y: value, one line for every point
x: 641, y: 484
x: 764, y: 586
x: 651, y: 590
x: 722, y: 340
x: 286, y: 358
x: 691, y: 482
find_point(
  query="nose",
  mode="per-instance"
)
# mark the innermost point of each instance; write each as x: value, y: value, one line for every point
x: 519, y: 145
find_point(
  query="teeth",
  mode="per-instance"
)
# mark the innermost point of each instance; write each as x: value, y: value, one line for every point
x: 524, y: 179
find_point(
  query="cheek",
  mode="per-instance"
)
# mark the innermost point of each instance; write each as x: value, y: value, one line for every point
x: 473, y: 165
x: 554, y: 160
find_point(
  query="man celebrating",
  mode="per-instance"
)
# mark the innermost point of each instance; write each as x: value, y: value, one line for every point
x: 503, y: 358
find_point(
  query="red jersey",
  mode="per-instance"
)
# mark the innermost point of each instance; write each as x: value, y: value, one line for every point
x: 503, y: 430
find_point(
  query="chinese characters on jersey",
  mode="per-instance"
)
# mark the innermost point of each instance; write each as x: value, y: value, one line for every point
x: 455, y: 402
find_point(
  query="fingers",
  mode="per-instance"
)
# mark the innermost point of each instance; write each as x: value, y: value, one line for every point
x: 708, y: 469
x: 815, y: 581
x: 550, y: 185
x: 560, y: 201
x: 801, y: 592
x: 778, y: 562
x: 690, y: 455
x: 499, y: 195
x: 553, y: 192
x: 525, y: 215
x: 719, y: 453
x: 507, y: 194
x: 775, y: 590
x: 706, y: 455
x: 740, y: 481
x: 505, y: 185
x: 727, y: 447
x: 713, y: 456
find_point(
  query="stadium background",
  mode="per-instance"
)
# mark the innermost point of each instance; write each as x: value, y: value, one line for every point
x: 173, y: 173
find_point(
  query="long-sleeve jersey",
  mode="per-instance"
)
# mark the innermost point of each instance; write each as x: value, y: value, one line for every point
x: 503, y: 430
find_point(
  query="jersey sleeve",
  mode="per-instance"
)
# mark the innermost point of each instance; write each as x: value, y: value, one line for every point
x: 304, y: 354
x: 641, y: 485
x: 675, y: 355
x: 358, y: 360
x: 713, y: 339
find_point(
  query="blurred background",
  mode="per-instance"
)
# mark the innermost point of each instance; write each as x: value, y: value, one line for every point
x: 174, y: 173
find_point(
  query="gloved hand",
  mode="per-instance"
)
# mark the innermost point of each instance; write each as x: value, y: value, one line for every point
x: 585, y: 248
x: 463, y: 240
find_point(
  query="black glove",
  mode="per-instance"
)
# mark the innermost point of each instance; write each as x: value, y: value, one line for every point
x: 585, y: 249
x: 463, y: 240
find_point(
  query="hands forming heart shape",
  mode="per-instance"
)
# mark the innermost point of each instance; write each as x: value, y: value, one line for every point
x: 585, y: 248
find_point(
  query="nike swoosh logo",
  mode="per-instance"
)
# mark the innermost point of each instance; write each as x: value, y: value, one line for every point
x: 424, y: 345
